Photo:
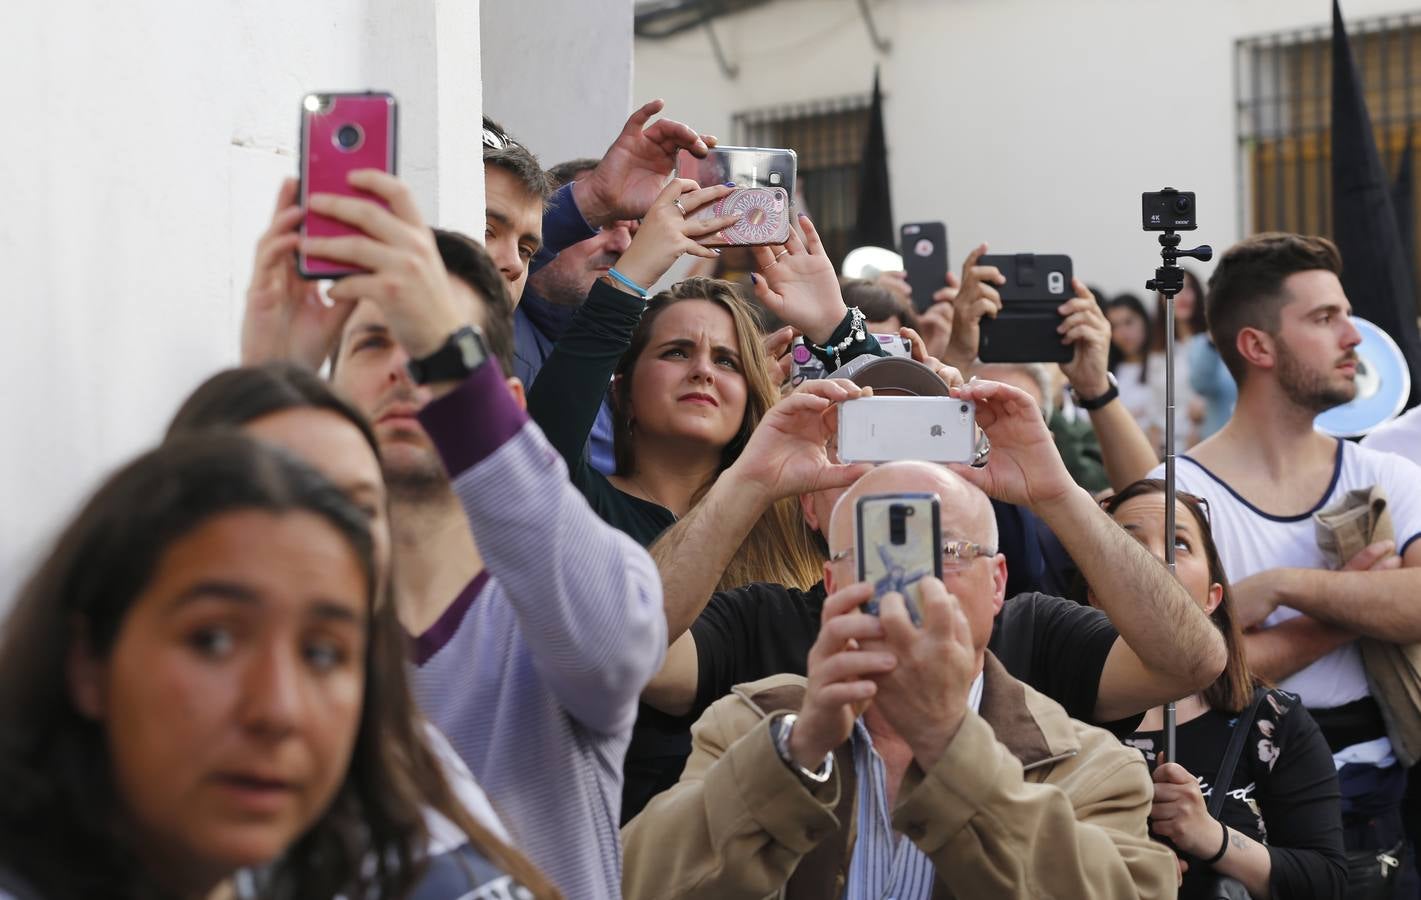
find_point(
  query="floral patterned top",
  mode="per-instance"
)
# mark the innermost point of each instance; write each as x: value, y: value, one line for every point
x: 1283, y: 792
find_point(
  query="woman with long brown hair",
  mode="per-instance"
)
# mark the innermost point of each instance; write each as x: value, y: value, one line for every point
x: 291, y: 407
x: 1278, y: 829
x: 198, y: 679
x: 689, y: 380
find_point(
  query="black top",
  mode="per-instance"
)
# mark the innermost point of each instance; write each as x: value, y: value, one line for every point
x: 1056, y: 646
x: 568, y: 392
x: 1284, y: 793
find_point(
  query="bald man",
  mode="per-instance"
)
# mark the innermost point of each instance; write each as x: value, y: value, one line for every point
x: 806, y: 784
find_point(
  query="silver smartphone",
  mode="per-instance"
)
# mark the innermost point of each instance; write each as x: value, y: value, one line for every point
x: 930, y: 429
x: 898, y: 542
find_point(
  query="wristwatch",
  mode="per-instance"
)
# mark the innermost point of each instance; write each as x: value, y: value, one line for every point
x: 780, y: 730
x: 1095, y: 403
x: 461, y: 354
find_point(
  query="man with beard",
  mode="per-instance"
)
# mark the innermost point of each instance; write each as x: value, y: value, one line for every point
x: 556, y: 289
x: 1282, y: 323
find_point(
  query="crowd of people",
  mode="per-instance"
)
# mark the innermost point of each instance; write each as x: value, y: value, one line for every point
x: 493, y: 574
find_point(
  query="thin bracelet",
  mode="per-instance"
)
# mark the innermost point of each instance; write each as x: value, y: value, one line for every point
x: 1224, y: 848
x: 638, y: 289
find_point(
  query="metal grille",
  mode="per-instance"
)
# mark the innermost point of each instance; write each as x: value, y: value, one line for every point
x: 828, y: 136
x: 1284, y: 112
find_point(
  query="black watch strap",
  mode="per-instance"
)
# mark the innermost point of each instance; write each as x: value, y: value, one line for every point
x: 461, y: 354
x: 1091, y: 404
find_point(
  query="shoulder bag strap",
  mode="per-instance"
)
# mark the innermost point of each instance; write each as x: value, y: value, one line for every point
x: 1242, y: 725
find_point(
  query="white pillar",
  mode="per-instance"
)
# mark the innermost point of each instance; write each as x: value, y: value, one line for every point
x: 142, y: 150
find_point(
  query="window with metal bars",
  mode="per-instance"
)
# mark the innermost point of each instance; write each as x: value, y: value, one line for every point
x: 1284, y: 108
x: 828, y: 136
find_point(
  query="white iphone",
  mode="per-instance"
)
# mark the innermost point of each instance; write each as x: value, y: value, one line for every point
x: 931, y: 429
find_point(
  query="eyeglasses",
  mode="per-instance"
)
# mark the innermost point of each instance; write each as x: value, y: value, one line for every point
x: 1109, y: 504
x: 497, y: 140
x: 955, y: 554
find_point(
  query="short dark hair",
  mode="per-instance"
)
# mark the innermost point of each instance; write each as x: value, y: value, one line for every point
x: 876, y: 302
x: 501, y: 150
x: 234, y: 397
x: 1246, y: 289
x: 467, y: 260
x: 566, y: 172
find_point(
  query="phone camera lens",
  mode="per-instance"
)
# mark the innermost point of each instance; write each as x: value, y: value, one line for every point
x: 964, y: 409
x: 349, y: 137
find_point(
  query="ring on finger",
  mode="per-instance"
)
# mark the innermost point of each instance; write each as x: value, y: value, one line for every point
x: 784, y: 251
x: 677, y: 204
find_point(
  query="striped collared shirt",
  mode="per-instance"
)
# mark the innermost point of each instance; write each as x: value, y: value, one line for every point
x: 886, y: 866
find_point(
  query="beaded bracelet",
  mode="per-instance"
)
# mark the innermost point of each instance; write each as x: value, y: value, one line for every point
x: 636, y: 288
x: 856, y: 334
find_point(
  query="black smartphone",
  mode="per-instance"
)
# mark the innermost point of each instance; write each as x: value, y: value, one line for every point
x: 899, y: 543
x: 1025, y: 328
x: 923, y: 246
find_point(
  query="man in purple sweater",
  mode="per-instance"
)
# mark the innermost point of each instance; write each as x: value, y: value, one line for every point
x: 535, y: 625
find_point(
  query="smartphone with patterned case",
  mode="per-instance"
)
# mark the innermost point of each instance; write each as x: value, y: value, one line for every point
x: 898, y: 543
x: 341, y: 133
x: 764, y: 217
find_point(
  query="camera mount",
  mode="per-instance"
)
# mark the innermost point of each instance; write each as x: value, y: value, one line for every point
x: 1169, y: 278
x: 1169, y: 211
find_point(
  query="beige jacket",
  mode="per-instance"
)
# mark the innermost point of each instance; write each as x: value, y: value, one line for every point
x: 1026, y: 802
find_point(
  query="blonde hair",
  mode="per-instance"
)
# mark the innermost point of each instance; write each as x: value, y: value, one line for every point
x: 779, y: 548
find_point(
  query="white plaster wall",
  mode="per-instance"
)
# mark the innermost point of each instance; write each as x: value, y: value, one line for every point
x: 143, y: 145
x: 1032, y: 124
x: 558, y: 73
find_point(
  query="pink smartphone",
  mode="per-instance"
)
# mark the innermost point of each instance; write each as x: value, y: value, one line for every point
x: 339, y: 134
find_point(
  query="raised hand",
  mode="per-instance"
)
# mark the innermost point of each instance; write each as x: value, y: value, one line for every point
x: 925, y: 697
x: 285, y: 318
x: 777, y: 344
x: 1086, y: 327
x: 978, y: 297
x: 633, y: 170
x: 668, y: 231
x: 1024, y: 466
x: 788, y: 453
x: 949, y: 374
x: 936, y: 321
x: 797, y: 282
x: 405, y: 275
x: 841, y: 676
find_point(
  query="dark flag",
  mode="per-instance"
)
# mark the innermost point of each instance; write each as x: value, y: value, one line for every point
x: 1375, y: 273
x: 1403, y: 193
x: 874, y: 226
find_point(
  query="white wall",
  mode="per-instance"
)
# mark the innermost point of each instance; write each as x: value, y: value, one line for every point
x: 1033, y: 124
x: 558, y: 73
x: 143, y: 145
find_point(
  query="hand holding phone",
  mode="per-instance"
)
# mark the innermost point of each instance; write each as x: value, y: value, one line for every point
x: 929, y: 429
x: 898, y: 542
x: 1032, y: 290
x: 340, y: 134
x: 763, y: 196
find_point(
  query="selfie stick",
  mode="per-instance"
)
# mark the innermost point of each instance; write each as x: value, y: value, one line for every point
x: 1168, y: 281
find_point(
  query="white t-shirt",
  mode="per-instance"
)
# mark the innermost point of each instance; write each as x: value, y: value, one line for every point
x: 1252, y: 541
x: 1401, y: 436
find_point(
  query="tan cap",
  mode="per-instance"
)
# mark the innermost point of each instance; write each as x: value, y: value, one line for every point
x: 896, y: 374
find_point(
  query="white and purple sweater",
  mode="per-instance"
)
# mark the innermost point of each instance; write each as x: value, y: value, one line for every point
x: 533, y: 673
